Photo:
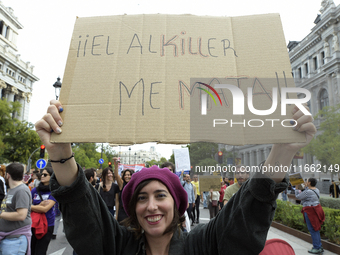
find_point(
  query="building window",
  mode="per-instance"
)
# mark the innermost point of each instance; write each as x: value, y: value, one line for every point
x: 300, y: 72
x: 324, y: 100
x: 22, y: 79
x: 10, y: 72
x: 1, y: 26
x: 323, y: 58
x: 315, y: 62
x: 306, y: 68
x: 7, y: 32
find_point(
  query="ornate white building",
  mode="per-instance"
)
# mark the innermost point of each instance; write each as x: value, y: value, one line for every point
x: 16, y: 75
x: 138, y: 157
x: 315, y: 65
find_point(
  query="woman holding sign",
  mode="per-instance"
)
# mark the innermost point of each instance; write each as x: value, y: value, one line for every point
x: 156, y: 201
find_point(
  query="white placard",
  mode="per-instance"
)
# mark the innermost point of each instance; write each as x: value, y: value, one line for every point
x: 182, y: 160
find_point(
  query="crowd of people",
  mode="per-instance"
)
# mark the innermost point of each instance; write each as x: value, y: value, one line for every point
x: 139, y: 213
x: 29, y: 229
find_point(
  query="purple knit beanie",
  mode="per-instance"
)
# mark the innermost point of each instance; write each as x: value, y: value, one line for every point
x: 169, y: 179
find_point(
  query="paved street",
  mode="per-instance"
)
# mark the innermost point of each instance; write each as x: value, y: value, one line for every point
x: 60, y: 246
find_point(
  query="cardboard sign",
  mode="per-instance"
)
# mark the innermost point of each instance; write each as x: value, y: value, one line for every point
x: 128, y: 78
x: 296, y: 179
x: 208, y: 182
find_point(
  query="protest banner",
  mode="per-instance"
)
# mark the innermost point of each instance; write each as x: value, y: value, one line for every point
x: 208, y: 182
x: 182, y: 160
x: 134, y: 167
x: 136, y: 75
x: 296, y: 179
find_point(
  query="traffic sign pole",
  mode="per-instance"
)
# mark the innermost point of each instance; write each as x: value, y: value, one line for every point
x: 41, y: 163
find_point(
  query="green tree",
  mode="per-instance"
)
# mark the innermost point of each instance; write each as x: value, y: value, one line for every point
x: 162, y: 160
x: 20, y: 141
x: 202, y: 165
x: 17, y: 139
x: 201, y: 152
x: 151, y: 163
x: 172, y: 158
x: 325, y: 146
x: 109, y: 152
x: 87, y: 154
x: 6, y: 112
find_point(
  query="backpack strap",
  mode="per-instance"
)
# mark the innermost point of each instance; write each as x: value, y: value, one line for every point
x: 316, y: 194
x: 39, y: 194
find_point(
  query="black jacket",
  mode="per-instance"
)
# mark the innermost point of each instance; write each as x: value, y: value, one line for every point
x: 241, y: 227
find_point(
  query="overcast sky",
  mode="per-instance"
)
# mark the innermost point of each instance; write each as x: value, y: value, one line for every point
x: 48, y: 27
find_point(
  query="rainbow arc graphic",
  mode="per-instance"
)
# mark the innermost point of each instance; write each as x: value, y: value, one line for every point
x: 204, y: 97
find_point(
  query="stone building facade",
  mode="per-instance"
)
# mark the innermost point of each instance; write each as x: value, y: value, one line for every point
x: 16, y: 75
x: 128, y: 157
x: 315, y: 65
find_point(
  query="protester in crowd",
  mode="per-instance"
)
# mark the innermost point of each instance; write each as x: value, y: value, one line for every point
x: 189, y: 188
x: 284, y: 195
x: 57, y: 220
x: 186, y: 223
x: 199, y: 197
x: 213, y: 203
x: 231, y: 181
x: 35, y: 180
x: 43, y: 203
x: 91, y: 176
x: 15, y: 214
x: 194, y: 204
x: 241, y: 176
x: 156, y: 201
x: 109, y: 191
x: 334, y: 190
x: 312, y: 212
x: 170, y: 166
x: 226, y: 181
x: 2, y: 170
x: 2, y: 183
x: 126, y: 177
x: 205, y: 202
x: 220, y: 201
x: 36, y: 177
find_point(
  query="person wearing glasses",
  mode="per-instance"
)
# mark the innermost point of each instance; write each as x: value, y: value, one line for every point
x: 43, y: 202
x: 241, y: 176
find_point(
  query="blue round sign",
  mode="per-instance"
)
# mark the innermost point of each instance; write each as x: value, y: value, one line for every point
x: 41, y: 163
x: 101, y: 161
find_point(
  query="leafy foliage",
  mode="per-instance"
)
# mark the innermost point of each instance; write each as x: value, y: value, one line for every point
x: 325, y: 147
x: 330, y: 202
x: 155, y: 162
x: 291, y: 216
x: 203, y: 154
x: 87, y: 154
x: 17, y: 139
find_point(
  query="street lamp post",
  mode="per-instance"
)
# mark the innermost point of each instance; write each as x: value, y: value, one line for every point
x: 135, y: 158
x: 29, y: 163
x: 129, y: 154
x: 57, y: 86
x: 101, y: 156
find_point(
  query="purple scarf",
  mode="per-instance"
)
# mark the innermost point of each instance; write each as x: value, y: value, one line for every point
x: 26, y: 231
